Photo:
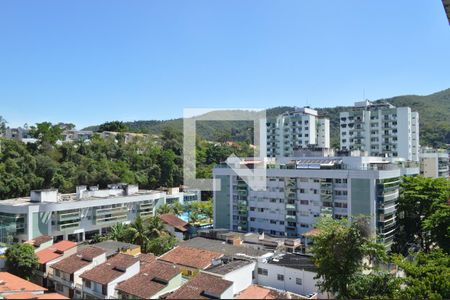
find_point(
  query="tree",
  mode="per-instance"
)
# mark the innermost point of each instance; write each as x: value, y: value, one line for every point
x: 376, y: 285
x: 339, y: 249
x: 427, y: 275
x: 47, y: 133
x: 422, y: 202
x: 115, y: 126
x: 161, y: 245
x: 119, y: 232
x: 138, y: 233
x: 2, y: 125
x: 21, y: 260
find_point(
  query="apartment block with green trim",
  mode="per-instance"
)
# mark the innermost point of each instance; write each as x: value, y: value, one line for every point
x: 77, y: 216
x: 299, y: 190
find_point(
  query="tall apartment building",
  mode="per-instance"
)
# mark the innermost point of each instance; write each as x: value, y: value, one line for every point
x: 434, y: 163
x: 381, y: 129
x: 297, y: 129
x: 299, y: 190
x: 76, y: 216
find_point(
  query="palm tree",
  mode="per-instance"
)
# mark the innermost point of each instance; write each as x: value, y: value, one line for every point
x: 154, y: 227
x: 164, y: 209
x: 118, y: 232
x: 138, y: 233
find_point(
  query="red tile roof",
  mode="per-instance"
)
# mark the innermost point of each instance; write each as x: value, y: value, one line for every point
x: 153, y: 278
x: 146, y: 258
x: 255, y: 292
x: 13, y: 283
x: 78, y: 260
x: 54, y: 251
x: 190, y: 257
x: 35, y: 296
x: 39, y: 240
x: 202, y: 286
x: 174, y: 221
x: 111, y: 269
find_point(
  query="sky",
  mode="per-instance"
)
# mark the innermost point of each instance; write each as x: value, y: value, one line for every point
x: 87, y: 62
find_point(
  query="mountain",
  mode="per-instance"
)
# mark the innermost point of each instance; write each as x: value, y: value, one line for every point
x: 434, y: 119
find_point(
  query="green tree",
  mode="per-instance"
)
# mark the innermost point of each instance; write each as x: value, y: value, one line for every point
x: 339, y: 249
x: 422, y: 202
x: 47, y: 133
x: 2, y: 125
x: 376, y: 285
x: 21, y: 260
x: 427, y: 275
x: 116, y: 126
x: 161, y: 245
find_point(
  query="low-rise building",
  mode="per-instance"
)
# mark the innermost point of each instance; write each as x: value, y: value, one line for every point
x: 77, y: 216
x: 204, y: 286
x: 175, y: 226
x: 238, y: 271
x: 113, y: 247
x: 260, y: 292
x: 434, y: 163
x: 65, y: 274
x: 101, y: 281
x: 288, y: 272
x: 41, y: 242
x: 12, y: 284
x: 155, y: 279
x: 50, y: 255
x: 190, y: 260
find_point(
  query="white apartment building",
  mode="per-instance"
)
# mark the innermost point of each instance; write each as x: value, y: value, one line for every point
x: 299, y: 190
x: 77, y: 216
x: 434, y: 163
x: 301, y: 128
x: 381, y: 129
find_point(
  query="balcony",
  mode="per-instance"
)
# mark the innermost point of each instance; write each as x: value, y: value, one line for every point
x: 290, y: 207
x: 290, y: 218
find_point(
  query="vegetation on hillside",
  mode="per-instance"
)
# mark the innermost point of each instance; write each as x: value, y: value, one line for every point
x: 434, y: 113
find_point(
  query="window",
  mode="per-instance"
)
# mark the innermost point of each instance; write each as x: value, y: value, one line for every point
x: 298, y: 281
x: 304, y: 202
x: 59, y: 287
x: 280, y: 277
x: 87, y: 283
x: 262, y: 271
x: 104, y: 289
x: 57, y: 274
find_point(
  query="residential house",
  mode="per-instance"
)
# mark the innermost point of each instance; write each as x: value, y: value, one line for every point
x: 101, y: 281
x: 65, y: 274
x: 259, y: 292
x: 154, y: 280
x: 40, y: 242
x: 288, y: 272
x: 204, y: 286
x: 50, y: 255
x: 175, y: 225
x: 190, y: 260
x: 239, y: 271
x: 113, y: 247
x: 11, y: 284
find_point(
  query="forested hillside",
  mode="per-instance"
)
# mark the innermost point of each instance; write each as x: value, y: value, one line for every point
x: 434, y: 118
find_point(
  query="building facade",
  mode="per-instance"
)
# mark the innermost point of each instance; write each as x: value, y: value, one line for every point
x: 301, y: 128
x: 74, y: 216
x: 299, y: 190
x: 381, y: 129
x: 434, y: 163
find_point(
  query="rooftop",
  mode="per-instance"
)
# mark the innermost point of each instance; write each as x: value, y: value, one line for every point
x: 258, y: 292
x: 223, y: 247
x: 174, y: 221
x: 39, y: 240
x: 228, y: 266
x: 78, y: 260
x: 54, y: 251
x: 191, y: 257
x: 28, y: 295
x: 12, y: 283
x: 294, y: 261
x: 111, y: 269
x: 113, y: 247
x: 202, y: 286
x: 152, y: 278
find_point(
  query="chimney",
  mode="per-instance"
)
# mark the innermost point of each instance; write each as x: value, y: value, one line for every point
x: 80, y: 191
x: 50, y: 195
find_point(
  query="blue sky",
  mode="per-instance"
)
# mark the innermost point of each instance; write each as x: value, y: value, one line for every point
x: 87, y: 62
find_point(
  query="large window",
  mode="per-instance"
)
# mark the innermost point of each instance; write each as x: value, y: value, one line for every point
x: 280, y: 277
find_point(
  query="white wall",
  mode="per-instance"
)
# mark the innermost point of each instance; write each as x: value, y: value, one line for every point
x: 241, y: 278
